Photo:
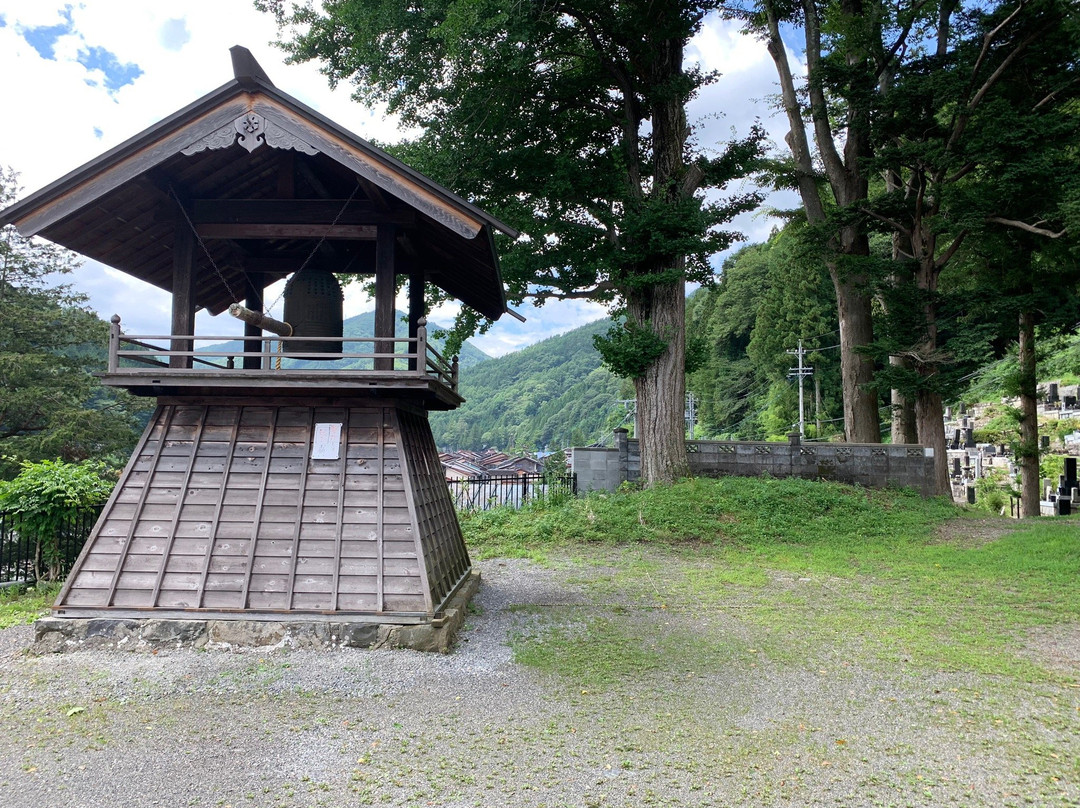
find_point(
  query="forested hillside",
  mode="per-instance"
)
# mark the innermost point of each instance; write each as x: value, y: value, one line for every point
x: 51, y: 346
x: 551, y: 394
x: 764, y: 302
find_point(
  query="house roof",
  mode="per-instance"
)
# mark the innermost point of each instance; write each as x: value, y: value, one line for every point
x: 267, y: 182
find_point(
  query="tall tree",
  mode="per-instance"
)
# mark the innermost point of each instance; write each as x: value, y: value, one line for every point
x: 906, y: 103
x: 975, y: 131
x: 844, y: 60
x: 568, y: 120
x: 51, y: 405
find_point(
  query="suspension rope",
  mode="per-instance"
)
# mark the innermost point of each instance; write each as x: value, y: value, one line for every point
x: 235, y: 298
x: 221, y: 276
x: 315, y: 249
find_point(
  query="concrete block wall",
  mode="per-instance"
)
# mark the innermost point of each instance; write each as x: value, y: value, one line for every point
x: 870, y: 465
x: 596, y: 469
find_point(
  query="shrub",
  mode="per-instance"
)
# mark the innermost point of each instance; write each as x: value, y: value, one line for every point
x: 47, y: 495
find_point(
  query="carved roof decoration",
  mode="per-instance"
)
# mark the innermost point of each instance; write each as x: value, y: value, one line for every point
x: 263, y: 178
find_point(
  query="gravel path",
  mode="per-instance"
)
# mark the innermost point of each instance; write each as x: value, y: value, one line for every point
x: 475, y: 728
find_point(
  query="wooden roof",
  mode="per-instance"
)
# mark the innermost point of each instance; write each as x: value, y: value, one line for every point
x: 263, y: 179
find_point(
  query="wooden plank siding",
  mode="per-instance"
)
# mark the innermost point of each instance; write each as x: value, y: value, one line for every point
x: 224, y: 509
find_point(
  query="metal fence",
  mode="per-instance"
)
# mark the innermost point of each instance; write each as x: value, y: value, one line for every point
x: 18, y: 549
x: 499, y: 491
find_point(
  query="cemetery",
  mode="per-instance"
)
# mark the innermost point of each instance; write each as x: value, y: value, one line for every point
x: 971, y: 461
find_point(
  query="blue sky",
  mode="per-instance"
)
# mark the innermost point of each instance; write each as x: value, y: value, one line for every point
x: 115, y: 67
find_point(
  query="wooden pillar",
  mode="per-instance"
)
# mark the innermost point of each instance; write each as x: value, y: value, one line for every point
x: 183, y: 293
x: 256, y: 286
x: 385, y: 239
x: 416, y: 310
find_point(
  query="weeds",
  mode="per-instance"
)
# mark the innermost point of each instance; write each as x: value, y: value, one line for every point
x: 20, y: 606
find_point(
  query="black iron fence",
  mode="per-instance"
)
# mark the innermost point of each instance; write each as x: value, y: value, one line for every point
x: 19, y: 554
x: 513, y: 491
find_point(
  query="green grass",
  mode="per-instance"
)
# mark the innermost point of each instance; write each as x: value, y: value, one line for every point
x: 752, y: 514
x: 22, y: 606
x: 813, y: 572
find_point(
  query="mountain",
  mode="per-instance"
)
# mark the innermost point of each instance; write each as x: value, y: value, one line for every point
x: 363, y: 325
x: 551, y: 394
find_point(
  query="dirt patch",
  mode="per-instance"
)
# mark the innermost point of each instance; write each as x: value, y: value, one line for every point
x: 974, y: 531
x: 1055, y: 647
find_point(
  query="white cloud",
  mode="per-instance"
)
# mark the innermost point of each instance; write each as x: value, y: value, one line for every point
x: 173, y: 34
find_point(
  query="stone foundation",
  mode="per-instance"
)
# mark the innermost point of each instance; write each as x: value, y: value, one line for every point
x: 63, y: 634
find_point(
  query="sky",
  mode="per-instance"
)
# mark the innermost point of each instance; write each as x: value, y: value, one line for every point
x: 88, y: 76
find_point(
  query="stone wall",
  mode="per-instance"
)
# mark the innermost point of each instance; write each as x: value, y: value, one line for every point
x: 871, y: 465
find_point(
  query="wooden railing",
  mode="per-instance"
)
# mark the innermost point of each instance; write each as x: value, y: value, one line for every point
x: 156, y: 354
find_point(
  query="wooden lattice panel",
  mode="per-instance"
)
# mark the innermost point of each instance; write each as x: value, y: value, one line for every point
x: 223, y: 508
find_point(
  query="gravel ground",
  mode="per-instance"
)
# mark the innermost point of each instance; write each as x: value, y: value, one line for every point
x: 350, y: 727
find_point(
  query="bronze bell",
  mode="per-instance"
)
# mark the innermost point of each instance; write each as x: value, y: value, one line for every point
x: 313, y: 307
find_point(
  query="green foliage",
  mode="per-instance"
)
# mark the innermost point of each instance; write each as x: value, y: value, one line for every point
x: 20, y: 606
x: 555, y: 464
x: 51, y: 405
x: 48, y: 494
x: 736, y: 512
x: 557, y: 152
x: 992, y: 490
x: 629, y: 349
x: 768, y: 297
x: 1051, y: 467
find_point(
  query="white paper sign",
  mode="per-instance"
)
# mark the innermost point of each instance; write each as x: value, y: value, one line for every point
x: 327, y: 442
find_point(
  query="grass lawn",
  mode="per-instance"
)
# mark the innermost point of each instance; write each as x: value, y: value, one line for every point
x: 887, y: 576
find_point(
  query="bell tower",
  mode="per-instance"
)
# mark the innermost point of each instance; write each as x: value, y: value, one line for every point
x: 295, y: 478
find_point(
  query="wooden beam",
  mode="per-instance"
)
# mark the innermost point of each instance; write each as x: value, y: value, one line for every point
x: 183, y: 292
x: 385, y: 292
x: 254, y: 300
x: 295, y: 211
x: 356, y: 232
x: 286, y: 174
x: 416, y: 306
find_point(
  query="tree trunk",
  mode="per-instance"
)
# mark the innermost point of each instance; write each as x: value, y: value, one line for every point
x: 930, y: 423
x: 903, y: 412
x: 929, y: 411
x: 1028, y: 450
x: 661, y: 392
x: 861, y: 424
x: 849, y: 187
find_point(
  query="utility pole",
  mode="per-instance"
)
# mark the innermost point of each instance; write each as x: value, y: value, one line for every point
x: 802, y: 371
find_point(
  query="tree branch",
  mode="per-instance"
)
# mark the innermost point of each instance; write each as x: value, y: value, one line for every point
x: 900, y: 40
x: 1030, y: 228
x: 796, y: 137
x: 1051, y: 96
x: 819, y: 112
x: 895, y: 225
x: 962, y: 172
x: 943, y: 259
x: 575, y: 294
